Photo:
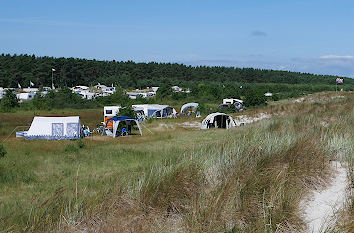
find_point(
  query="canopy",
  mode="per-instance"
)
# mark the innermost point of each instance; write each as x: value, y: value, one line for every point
x: 118, y: 119
x: 189, y: 105
x: 55, y: 128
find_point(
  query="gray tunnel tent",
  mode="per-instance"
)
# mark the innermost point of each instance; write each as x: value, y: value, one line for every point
x: 218, y: 120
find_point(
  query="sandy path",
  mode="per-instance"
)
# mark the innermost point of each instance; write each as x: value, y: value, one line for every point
x: 324, y: 204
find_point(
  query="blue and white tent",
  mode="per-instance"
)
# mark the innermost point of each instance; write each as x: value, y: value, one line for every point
x: 116, y: 120
x: 155, y: 110
x: 54, y: 128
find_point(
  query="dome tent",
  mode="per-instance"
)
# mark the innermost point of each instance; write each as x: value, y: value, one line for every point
x: 218, y: 120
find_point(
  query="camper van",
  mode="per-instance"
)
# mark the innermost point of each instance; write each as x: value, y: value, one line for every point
x: 231, y: 101
x: 25, y: 96
x: 109, y: 112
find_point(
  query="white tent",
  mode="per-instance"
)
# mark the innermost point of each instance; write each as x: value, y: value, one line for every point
x: 155, y: 110
x: 55, y: 128
x: 218, y: 120
x: 194, y: 106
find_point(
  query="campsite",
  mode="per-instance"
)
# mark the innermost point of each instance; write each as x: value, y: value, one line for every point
x: 177, y: 116
x: 64, y: 185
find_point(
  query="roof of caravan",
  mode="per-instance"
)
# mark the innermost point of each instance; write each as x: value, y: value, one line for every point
x: 105, y: 107
x: 238, y: 100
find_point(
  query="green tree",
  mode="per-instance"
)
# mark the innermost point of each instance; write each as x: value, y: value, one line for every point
x: 119, y: 97
x: 8, y: 101
x: 164, y: 91
x: 127, y: 111
x: 255, y: 98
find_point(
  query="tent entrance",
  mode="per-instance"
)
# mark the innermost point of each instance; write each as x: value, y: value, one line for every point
x: 221, y: 121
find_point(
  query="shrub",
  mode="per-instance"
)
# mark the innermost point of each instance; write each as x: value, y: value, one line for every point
x: 81, y: 144
x: 255, y: 98
x: 3, y: 151
x: 127, y: 111
x: 8, y: 102
x: 71, y: 148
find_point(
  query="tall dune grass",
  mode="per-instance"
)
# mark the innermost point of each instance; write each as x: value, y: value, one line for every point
x: 248, y: 179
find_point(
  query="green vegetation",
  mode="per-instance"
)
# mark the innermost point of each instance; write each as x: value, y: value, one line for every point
x: 70, y: 72
x: 3, y: 151
x: 8, y: 102
x: 207, y: 85
x: 248, y: 179
x: 254, y: 98
x: 63, y: 98
x: 210, y: 96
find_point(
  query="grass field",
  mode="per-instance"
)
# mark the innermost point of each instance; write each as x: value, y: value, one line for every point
x: 175, y: 179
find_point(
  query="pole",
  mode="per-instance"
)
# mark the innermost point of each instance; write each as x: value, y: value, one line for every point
x: 336, y: 87
x: 52, y: 79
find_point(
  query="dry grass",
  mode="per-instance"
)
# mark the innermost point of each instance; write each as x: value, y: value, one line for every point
x: 249, y: 179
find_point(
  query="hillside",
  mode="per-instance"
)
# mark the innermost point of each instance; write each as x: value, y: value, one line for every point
x: 176, y: 178
x: 22, y: 69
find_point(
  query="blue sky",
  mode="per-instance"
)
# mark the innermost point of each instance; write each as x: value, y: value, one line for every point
x: 307, y: 36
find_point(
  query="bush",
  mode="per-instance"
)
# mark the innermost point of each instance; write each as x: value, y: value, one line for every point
x: 3, y: 151
x: 81, y: 144
x: 255, y: 98
x: 8, y: 102
x: 71, y: 148
x: 127, y: 111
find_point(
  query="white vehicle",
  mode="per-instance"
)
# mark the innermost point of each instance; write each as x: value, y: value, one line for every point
x: 110, y: 111
x: 231, y: 101
x: 25, y: 96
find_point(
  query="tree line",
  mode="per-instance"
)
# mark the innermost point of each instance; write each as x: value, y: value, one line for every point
x: 21, y: 69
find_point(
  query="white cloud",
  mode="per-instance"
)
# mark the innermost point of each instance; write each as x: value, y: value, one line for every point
x: 336, y: 57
